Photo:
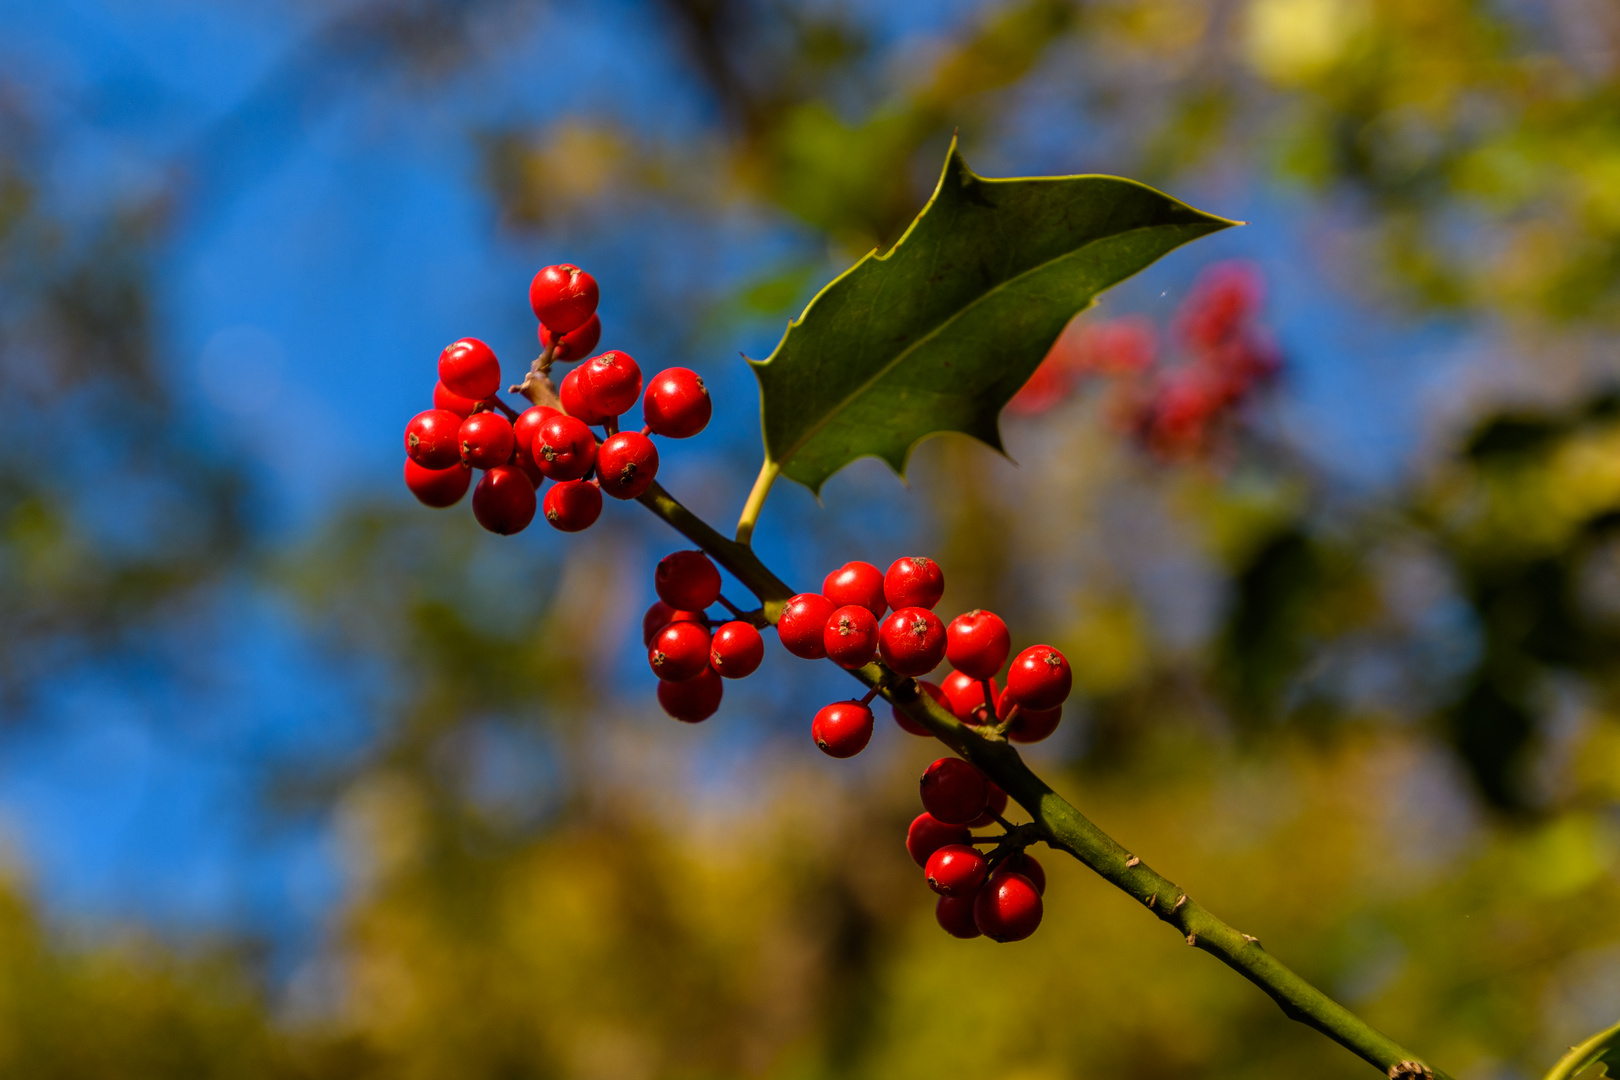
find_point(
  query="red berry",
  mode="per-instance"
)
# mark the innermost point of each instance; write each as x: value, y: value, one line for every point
x: 977, y: 643
x: 842, y: 729
x: 956, y: 870
x: 954, y: 791
x: 564, y: 448
x: 563, y: 297
x: 527, y: 426
x: 997, y: 804
x: 486, y: 440
x: 677, y: 404
x: 503, y: 501
x: 437, y: 488
x: 626, y: 464
x: 1030, y: 725
x: 693, y: 700
x: 802, y: 623
x: 955, y: 915
x: 913, y: 581
x: 446, y: 398
x: 661, y: 615
x: 1023, y: 864
x: 527, y: 466
x: 679, y: 651
x: 431, y: 439
x: 904, y: 719
x: 611, y: 383
x: 850, y: 637
x: 687, y: 580
x: 927, y: 834
x: 912, y: 641
x: 575, y: 343
x: 468, y: 367
x: 1039, y: 678
x: 575, y: 402
x: 856, y: 583
x: 1008, y: 908
x: 966, y: 695
x: 573, y: 505
x: 737, y: 650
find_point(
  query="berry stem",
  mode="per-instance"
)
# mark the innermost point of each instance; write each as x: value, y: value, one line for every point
x: 511, y: 413
x: 756, y: 501
x: 1056, y: 821
x: 870, y: 694
x: 537, y: 385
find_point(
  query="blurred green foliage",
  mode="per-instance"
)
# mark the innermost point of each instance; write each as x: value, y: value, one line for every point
x: 1388, y: 744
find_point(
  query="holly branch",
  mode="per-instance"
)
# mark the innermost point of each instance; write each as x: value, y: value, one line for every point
x: 1062, y: 826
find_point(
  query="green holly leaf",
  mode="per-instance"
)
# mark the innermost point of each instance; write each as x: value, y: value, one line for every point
x: 940, y: 331
x: 1602, y: 1050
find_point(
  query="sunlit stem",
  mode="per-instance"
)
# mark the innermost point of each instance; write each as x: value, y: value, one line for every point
x: 756, y: 501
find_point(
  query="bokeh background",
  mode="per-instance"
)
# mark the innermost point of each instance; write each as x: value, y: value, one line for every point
x: 299, y: 779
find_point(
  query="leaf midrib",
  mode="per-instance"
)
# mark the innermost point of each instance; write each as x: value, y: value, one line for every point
x: 931, y: 334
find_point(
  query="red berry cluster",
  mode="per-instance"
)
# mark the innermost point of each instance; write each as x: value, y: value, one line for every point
x: 470, y: 427
x: 688, y: 652
x: 846, y: 623
x: 1174, y: 411
x: 998, y: 895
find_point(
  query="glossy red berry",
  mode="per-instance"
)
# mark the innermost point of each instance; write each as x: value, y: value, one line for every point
x: 503, y: 501
x: 966, y: 695
x: 955, y: 915
x: 1039, y: 678
x: 679, y: 651
x: 856, y: 583
x: 677, y: 404
x: 661, y: 615
x: 996, y: 804
x: 564, y: 448
x: 563, y: 297
x: 527, y: 426
x: 446, y: 398
x: 802, y: 624
x: 626, y: 464
x: 913, y: 581
x: 736, y: 650
x: 432, y: 439
x: 687, y: 580
x: 486, y: 440
x: 956, y: 870
x: 693, y: 700
x: 850, y: 637
x: 575, y: 343
x: 575, y: 402
x: 611, y: 383
x: 912, y: 641
x: 1023, y: 864
x: 1008, y: 908
x: 573, y: 505
x: 927, y: 834
x: 842, y: 729
x: 437, y: 488
x: 954, y: 791
x: 977, y: 643
x: 904, y: 719
x: 468, y: 367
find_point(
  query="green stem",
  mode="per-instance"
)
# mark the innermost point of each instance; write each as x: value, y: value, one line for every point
x: 1063, y: 826
x: 756, y: 501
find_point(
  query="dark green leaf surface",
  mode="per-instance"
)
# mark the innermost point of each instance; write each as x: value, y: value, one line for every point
x: 1601, y: 1050
x: 939, y: 332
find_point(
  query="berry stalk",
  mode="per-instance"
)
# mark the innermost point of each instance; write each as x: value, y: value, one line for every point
x: 1059, y: 823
